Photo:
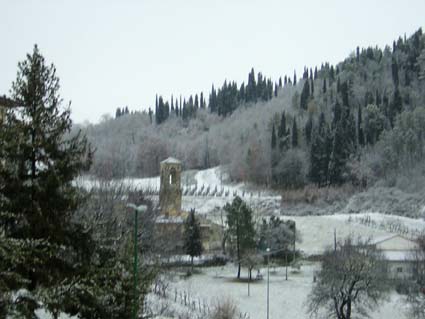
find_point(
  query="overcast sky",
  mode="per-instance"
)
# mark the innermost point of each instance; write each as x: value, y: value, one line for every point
x: 120, y: 53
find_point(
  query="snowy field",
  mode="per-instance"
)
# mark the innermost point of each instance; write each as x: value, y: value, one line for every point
x: 287, y: 298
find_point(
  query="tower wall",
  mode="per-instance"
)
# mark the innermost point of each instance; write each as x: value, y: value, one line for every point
x: 170, y: 192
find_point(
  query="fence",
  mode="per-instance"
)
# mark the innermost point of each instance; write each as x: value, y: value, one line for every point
x: 198, y: 306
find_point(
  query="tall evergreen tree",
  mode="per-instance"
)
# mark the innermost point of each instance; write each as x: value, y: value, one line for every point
x: 273, y: 140
x: 331, y: 75
x: 305, y: 95
x: 283, y: 134
x: 320, y: 151
x: 38, y: 166
x: 394, y: 72
x: 395, y: 106
x: 241, y: 228
x: 343, y: 143
x: 202, y: 101
x: 212, y: 101
x: 360, y: 132
x: 118, y: 113
x: 251, y: 88
x: 308, y: 129
x: 192, y: 237
x: 150, y: 113
x: 294, y: 134
x: 196, y: 105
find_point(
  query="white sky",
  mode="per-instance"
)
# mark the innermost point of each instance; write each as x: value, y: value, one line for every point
x: 111, y: 54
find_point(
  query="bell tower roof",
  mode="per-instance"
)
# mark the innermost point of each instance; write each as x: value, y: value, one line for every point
x: 171, y: 160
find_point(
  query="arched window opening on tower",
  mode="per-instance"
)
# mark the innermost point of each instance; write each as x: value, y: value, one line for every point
x: 173, y: 177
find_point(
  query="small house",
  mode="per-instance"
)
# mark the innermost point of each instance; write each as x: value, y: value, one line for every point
x: 400, y: 253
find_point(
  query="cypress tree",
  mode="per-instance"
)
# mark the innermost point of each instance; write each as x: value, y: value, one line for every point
x: 394, y: 72
x: 251, y: 88
x: 150, y: 115
x: 202, y: 101
x: 320, y: 151
x: 273, y: 141
x: 324, y: 86
x: 295, y: 78
x: 118, y: 113
x: 305, y: 95
x: 294, y: 134
x: 283, y: 134
x: 395, y: 106
x: 196, y: 105
x: 305, y: 73
x: 344, y: 89
x: 192, y: 237
x: 282, y: 127
x: 308, y: 129
x: 360, y: 127
x: 331, y: 75
x: 212, y: 101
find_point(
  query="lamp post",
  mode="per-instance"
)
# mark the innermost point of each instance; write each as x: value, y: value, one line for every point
x: 268, y: 279
x: 137, y: 209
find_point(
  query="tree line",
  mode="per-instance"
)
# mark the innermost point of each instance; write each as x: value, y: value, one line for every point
x: 319, y: 129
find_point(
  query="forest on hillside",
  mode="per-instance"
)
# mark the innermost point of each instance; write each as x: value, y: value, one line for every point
x: 360, y: 121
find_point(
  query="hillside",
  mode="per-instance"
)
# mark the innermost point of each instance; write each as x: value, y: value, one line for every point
x: 360, y: 123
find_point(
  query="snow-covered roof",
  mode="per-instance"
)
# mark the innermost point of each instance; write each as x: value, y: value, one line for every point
x: 170, y: 220
x: 171, y: 160
x: 395, y: 240
x: 397, y: 255
x: 381, y: 239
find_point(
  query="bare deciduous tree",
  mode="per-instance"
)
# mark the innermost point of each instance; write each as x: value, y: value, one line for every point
x: 416, y: 293
x: 353, y: 276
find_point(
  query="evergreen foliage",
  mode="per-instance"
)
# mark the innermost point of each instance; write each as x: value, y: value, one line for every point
x: 305, y: 95
x: 389, y: 79
x: 41, y: 244
x: 279, y: 236
x: 294, y: 134
x: 241, y: 228
x: 192, y: 236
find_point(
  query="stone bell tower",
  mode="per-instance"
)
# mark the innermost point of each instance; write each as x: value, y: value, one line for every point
x: 170, y: 192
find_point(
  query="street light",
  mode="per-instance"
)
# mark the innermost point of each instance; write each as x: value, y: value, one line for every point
x: 268, y: 279
x: 137, y: 209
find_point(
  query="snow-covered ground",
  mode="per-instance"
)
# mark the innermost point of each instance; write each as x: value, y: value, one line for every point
x: 287, y: 297
x: 317, y: 232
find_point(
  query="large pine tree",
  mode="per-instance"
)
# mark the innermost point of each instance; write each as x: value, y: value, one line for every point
x: 40, y: 243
